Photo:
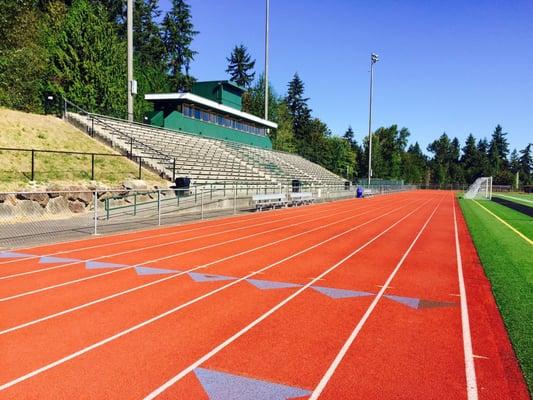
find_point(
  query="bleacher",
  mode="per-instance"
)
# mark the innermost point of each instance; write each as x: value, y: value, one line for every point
x: 204, y: 160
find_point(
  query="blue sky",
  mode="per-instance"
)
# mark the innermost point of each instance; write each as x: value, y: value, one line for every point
x: 445, y: 66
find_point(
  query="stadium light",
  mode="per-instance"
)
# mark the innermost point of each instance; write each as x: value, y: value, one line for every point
x: 373, y: 59
x: 132, y: 85
x: 267, y: 17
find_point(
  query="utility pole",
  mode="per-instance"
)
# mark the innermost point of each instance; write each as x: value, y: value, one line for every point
x: 266, y: 56
x: 373, y: 59
x: 132, y: 85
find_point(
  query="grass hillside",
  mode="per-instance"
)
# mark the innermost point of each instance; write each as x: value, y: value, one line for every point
x: 32, y: 131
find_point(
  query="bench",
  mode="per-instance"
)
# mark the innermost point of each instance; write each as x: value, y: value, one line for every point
x: 301, y: 198
x: 368, y: 193
x: 262, y: 201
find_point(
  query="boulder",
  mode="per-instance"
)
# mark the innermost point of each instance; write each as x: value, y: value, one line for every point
x: 29, y: 208
x: 58, y: 205
x: 6, y: 210
x: 8, y: 199
x: 76, y: 206
x: 39, y: 197
x: 135, y: 184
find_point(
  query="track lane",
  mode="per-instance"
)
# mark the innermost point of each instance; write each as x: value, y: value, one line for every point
x: 22, y: 309
x: 62, y: 248
x: 25, y: 267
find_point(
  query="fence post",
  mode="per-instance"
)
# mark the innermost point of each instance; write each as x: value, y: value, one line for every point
x: 140, y: 168
x: 92, y: 125
x: 32, y: 164
x: 174, y: 170
x: 235, y: 200
x: 158, y: 207
x: 95, y: 206
x: 92, y: 167
x: 202, y: 203
x: 195, y: 194
x: 135, y: 204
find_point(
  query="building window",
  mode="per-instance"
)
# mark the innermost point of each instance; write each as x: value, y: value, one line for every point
x: 210, y: 117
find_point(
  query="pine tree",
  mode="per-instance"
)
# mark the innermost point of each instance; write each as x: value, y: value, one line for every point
x: 300, y: 111
x: 471, y: 160
x: 87, y: 61
x: 499, y: 148
x: 147, y: 41
x: 526, y: 164
x: 349, y: 135
x: 178, y: 34
x: 240, y: 66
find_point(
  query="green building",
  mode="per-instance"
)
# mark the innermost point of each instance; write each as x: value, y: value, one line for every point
x: 212, y: 109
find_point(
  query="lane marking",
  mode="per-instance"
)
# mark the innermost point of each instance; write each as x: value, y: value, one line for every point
x: 100, y: 300
x: 184, y: 305
x: 515, y: 198
x: 528, y: 240
x: 470, y: 368
x: 340, y: 355
x: 203, y: 225
x: 154, y: 246
x: 247, y: 328
x: 144, y: 263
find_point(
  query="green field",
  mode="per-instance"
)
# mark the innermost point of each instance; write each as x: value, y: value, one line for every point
x: 508, y: 262
x: 520, y: 198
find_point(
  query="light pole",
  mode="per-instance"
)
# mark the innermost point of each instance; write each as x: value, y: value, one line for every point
x: 267, y: 17
x: 131, y: 85
x: 373, y: 59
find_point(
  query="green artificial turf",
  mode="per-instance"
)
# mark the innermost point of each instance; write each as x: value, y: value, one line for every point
x: 508, y: 262
x: 520, y: 198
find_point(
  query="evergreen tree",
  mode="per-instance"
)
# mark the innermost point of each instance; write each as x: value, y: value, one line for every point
x: 300, y: 111
x: 253, y: 100
x: 526, y: 164
x: 498, y: 150
x: 87, y: 60
x: 349, y: 135
x: 148, y: 44
x: 483, y: 148
x: 240, y: 67
x: 178, y: 34
x: 283, y: 137
x: 414, y: 165
x: 471, y: 160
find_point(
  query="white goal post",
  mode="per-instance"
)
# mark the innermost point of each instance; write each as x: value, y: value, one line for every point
x: 480, y: 189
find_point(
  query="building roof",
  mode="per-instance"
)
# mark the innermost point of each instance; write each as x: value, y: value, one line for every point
x: 223, y: 82
x: 211, y: 104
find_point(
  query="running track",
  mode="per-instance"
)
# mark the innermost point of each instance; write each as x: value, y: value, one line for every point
x: 373, y: 299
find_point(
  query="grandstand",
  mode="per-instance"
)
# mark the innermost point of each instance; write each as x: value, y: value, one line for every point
x: 205, y: 160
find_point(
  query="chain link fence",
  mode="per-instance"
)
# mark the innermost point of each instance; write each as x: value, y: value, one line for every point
x: 29, y: 218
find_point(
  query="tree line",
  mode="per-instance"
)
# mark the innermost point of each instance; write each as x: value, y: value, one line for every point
x: 77, y: 49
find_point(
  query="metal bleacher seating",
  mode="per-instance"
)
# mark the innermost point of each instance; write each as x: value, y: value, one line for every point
x: 204, y: 160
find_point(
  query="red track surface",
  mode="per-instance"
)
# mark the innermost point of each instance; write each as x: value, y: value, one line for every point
x: 69, y: 332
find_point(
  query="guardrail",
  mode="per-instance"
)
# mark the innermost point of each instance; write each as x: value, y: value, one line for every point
x: 31, y: 174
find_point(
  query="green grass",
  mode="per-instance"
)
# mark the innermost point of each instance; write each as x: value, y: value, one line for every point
x: 23, y: 130
x: 520, y: 198
x: 508, y: 262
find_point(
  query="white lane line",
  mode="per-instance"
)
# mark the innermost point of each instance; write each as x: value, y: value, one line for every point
x: 248, y: 327
x: 515, y: 198
x: 204, y: 225
x: 145, y: 263
x: 151, y: 247
x: 470, y: 368
x: 340, y: 355
x: 81, y: 306
x: 182, y: 306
